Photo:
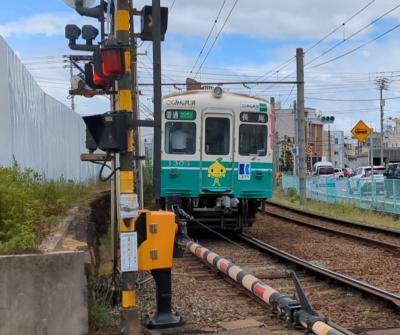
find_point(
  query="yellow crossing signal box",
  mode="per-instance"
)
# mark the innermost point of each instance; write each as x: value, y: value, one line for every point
x: 156, y: 232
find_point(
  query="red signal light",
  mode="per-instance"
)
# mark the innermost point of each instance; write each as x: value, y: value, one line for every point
x: 112, y: 62
x: 98, y: 80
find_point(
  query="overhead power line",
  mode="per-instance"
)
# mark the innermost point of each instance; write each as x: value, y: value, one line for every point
x: 216, y: 37
x: 221, y: 83
x: 352, y: 35
x: 350, y: 100
x: 208, y: 37
x: 292, y: 59
x: 339, y: 27
x: 357, y: 48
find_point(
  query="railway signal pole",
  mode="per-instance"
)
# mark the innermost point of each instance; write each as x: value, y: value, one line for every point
x: 156, y: 34
x: 301, y: 124
x: 383, y: 84
x: 125, y: 102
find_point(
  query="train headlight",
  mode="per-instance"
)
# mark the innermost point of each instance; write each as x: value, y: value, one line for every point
x: 217, y: 92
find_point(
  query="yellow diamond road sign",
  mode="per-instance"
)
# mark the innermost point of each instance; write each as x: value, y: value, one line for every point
x: 361, y: 131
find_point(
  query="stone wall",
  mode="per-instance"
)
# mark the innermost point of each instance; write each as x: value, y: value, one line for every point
x: 43, y: 294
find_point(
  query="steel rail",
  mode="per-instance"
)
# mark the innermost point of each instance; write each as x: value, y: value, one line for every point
x: 388, y: 245
x: 294, y: 312
x: 335, y: 220
x: 379, y: 293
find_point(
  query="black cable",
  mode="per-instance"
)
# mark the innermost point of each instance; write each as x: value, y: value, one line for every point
x: 103, y: 165
x: 352, y: 35
x: 191, y: 218
x: 208, y: 37
x: 216, y: 37
x: 357, y: 48
x: 342, y: 25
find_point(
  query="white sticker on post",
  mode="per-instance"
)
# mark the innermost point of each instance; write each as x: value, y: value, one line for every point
x: 128, y: 247
x: 128, y: 205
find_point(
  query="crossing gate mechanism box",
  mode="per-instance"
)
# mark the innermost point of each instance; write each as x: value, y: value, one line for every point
x: 156, y: 237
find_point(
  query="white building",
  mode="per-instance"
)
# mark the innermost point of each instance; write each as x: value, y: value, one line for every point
x: 336, y: 154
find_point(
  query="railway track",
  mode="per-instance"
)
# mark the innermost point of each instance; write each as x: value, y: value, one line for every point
x: 344, y: 304
x: 373, y: 259
x: 380, y: 236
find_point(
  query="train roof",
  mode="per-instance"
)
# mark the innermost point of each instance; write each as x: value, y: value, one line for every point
x: 194, y: 94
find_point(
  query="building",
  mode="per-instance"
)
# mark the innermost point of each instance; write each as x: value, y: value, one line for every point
x: 336, y: 152
x: 287, y: 132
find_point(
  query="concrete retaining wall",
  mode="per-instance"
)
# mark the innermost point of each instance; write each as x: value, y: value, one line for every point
x: 43, y: 294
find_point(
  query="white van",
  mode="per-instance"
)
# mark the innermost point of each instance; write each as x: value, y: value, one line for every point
x: 323, y: 168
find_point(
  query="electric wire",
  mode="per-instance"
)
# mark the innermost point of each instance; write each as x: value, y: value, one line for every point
x: 208, y: 37
x: 216, y: 37
x: 338, y: 27
x: 352, y: 35
x: 357, y: 48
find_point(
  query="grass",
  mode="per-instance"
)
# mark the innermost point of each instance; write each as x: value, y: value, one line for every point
x: 343, y: 210
x: 30, y: 206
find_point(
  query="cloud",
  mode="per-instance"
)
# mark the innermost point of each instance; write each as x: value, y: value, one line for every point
x: 283, y: 19
x: 48, y: 24
x: 292, y: 23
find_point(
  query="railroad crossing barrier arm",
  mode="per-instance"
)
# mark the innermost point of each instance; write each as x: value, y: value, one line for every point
x: 297, y: 314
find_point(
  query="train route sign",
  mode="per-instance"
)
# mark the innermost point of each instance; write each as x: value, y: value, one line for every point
x: 361, y: 131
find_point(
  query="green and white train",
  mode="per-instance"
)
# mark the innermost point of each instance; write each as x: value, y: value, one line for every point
x: 216, y: 156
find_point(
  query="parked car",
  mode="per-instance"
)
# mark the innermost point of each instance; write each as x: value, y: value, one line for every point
x: 348, y: 172
x: 325, y: 176
x: 392, y: 181
x: 362, y: 180
x: 339, y: 173
x: 319, y: 165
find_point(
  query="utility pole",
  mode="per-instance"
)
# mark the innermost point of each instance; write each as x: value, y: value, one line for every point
x: 71, y: 74
x: 301, y: 124
x: 329, y: 143
x: 130, y: 323
x: 157, y: 97
x: 296, y: 140
x: 383, y: 84
x: 136, y: 109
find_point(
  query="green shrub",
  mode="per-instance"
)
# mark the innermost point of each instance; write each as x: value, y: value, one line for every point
x: 292, y: 194
x: 30, y: 205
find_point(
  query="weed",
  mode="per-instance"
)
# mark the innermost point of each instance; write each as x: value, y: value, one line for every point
x: 30, y: 206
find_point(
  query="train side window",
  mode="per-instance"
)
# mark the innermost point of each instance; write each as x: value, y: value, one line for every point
x: 180, y: 138
x: 217, y: 136
x: 253, y: 140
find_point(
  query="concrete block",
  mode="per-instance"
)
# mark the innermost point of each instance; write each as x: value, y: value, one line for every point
x: 43, y: 294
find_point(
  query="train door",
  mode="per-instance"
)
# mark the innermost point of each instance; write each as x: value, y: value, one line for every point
x: 217, y: 151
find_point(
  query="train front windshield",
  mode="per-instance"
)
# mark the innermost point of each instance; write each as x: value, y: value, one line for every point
x: 180, y: 138
x: 253, y: 140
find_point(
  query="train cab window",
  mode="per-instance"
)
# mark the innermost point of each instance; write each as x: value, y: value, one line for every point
x: 180, y: 138
x: 217, y: 136
x: 253, y: 140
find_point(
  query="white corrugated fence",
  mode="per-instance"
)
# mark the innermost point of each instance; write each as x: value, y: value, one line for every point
x: 36, y: 130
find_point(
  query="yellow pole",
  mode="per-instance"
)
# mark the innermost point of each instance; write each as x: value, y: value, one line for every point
x: 129, y: 316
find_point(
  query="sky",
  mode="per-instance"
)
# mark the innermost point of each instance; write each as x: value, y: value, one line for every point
x: 252, y: 40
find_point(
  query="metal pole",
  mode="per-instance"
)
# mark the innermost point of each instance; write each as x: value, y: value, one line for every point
x: 381, y: 100
x: 136, y: 110
x: 130, y: 324
x: 157, y: 97
x: 296, y: 140
x: 71, y: 74
x: 329, y: 143
x: 301, y: 124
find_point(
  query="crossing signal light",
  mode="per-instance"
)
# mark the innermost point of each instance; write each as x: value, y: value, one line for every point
x: 113, y: 62
x: 109, y: 131
x: 72, y: 33
x: 89, y: 33
x: 147, y: 23
x: 327, y: 119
